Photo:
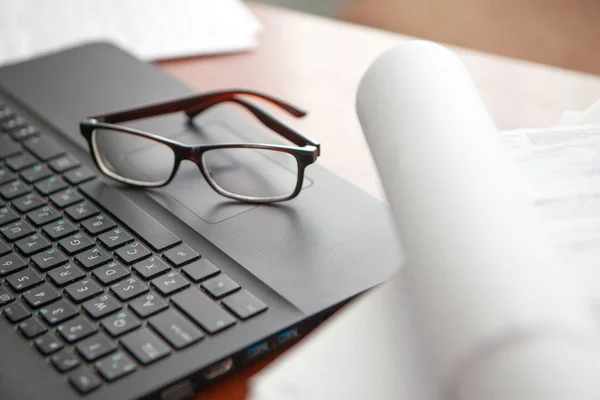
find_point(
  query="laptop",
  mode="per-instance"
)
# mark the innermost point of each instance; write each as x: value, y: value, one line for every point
x: 215, y: 285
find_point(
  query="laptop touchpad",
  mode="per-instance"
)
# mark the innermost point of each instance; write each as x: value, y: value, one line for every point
x: 242, y: 171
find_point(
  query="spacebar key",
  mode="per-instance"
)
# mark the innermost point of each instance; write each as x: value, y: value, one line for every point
x: 136, y: 219
x: 202, y: 310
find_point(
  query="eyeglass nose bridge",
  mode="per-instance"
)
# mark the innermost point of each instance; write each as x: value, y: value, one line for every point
x: 191, y: 153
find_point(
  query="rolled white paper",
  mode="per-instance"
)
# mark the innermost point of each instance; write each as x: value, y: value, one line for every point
x: 499, y: 318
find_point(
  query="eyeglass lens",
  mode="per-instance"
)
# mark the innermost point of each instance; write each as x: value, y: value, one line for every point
x: 117, y: 152
x: 251, y: 172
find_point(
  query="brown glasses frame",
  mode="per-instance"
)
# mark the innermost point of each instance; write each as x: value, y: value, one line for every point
x: 305, y: 152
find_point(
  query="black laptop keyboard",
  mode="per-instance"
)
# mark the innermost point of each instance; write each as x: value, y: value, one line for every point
x: 97, y: 285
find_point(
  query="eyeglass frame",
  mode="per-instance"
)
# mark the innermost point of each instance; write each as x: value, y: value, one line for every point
x: 306, y: 152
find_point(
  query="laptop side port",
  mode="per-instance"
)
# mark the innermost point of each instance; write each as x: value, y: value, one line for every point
x: 218, y: 369
x: 179, y: 391
x: 257, y: 350
x: 287, y: 335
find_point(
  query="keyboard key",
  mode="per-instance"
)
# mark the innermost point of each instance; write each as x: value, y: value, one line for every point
x: 6, y: 113
x: 48, y: 260
x: 92, y: 258
x: 4, y: 248
x: 150, y: 268
x: 96, y: 347
x: 14, y: 123
x: 85, y: 381
x: 11, y: 263
x: 121, y: 323
x: 181, y: 255
x: 50, y: 185
x: 5, y: 297
x: 115, y: 366
x: 199, y: 270
x: 16, y: 230
x: 66, y: 274
x: 7, y: 216
x: 148, y: 305
x: 79, y: 175
x: 176, y: 329
x: 98, y: 224
x: 8, y: 147
x: 128, y: 289
x: 133, y: 252
x: 244, y: 305
x: 21, y: 161
x: 101, y: 306
x: 58, y: 312
x: 35, y: 173
x: 83, y: 290
x: 64, y: 361
x: 23, y: 280
x: 32, y: 328
x: 115, y: 238
x: 14, y: 189
x: 76, y: 244
x: 32, y: 244
x: 202, y: 310
x: 136, y: 219
x: 43, y: 148
x: 48, y: 344
x: 63, y: 163
x: 16, y: 313
x: 220, y: 286
x: 65, y: 198
x: 28, y: 202
x: 6, y: 176
x: 76, y: 329
x: 145, y: 346
x: 24, y: 132
x: 170, y: 283
x: 43, y: 216
x: 110, y: 273
x: 40, y: 296
x: 81, y: 211
x: 59, y: 229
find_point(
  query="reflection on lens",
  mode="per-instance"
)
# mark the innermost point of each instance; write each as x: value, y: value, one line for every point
x: 250, y: 172
x: 134, y: 158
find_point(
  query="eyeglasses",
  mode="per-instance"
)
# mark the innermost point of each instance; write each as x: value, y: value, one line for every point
x: 254, y: 173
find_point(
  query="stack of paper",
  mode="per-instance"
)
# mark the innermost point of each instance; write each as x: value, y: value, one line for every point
x: 150, y: 29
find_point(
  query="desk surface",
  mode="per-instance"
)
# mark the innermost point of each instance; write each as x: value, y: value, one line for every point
x: 316, y: 63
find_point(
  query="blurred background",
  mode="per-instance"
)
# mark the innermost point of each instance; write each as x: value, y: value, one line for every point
x: 563, y: 33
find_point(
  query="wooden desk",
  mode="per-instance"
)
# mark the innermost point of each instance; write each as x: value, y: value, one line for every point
x: 317, y: 63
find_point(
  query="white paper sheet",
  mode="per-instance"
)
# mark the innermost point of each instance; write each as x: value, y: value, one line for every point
x: 478, y: 277
x: 561, y: 168
x: 492, y: 303
x: 150, y: 29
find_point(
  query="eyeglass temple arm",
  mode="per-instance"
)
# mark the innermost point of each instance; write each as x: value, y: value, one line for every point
x: 189, y: 103
x: 284, y: 130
